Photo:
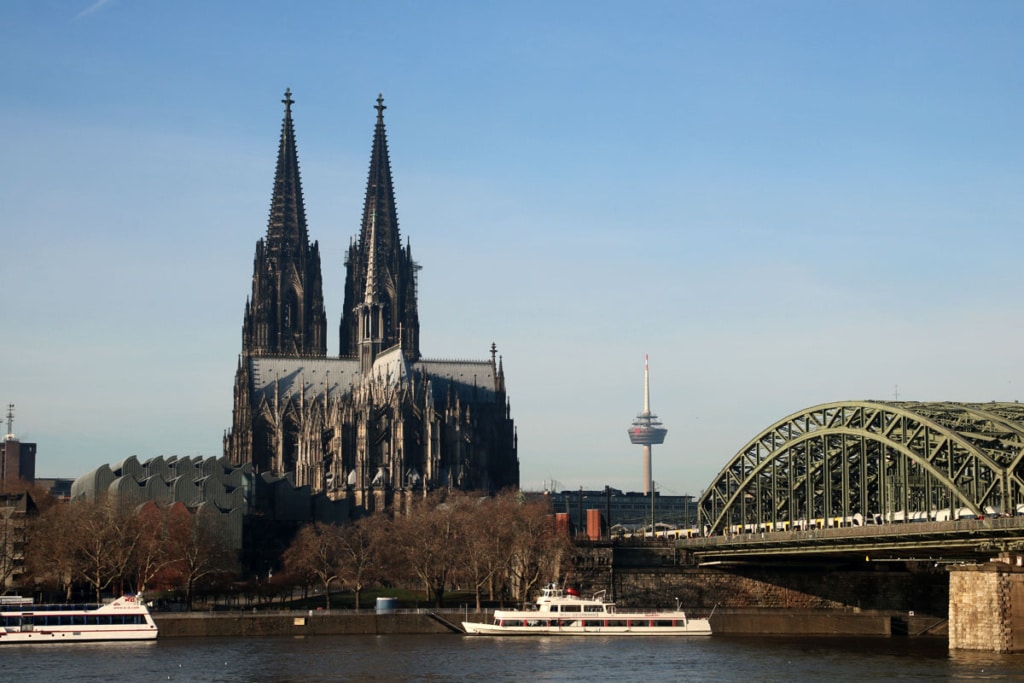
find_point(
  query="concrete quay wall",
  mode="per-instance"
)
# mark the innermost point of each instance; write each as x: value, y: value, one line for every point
x: 653, y: 577
x: 301, y: 623
x: 787, y: 622
x: 825, y: 622
x: 806, y: 623
x: 703, y: 589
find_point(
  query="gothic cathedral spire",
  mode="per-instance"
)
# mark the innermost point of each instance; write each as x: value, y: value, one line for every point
x: 329, y: 423
x: 285, y: 314
x: 394, y: 272
x: 369, y: 312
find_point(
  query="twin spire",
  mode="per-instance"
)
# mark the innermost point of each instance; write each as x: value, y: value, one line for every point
x: 286, y: 311
x: 379, y: 266
x: 286, y: 228
x: 285, y: 314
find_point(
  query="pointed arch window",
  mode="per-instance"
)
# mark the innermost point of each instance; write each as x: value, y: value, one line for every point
x: 291, y: 305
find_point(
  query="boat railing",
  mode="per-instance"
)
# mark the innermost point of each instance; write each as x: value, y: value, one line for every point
x: 14, y: 601
x: 320, y: 612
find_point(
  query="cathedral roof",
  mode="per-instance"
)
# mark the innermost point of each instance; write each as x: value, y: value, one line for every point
x: 470, y: 380
x: 391, y: 363
x: 465, y: 376
x: 292, y: 373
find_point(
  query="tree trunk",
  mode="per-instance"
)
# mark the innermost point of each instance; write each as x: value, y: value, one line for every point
x: 327, y: 593
x: 438, y: 591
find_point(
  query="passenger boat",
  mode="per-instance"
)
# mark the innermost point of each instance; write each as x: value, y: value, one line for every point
x: 126, y: 618
x: 564, y: 612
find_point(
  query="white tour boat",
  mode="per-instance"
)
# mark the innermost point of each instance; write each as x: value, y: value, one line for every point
x: 564, y: 612
x: 126, y: 618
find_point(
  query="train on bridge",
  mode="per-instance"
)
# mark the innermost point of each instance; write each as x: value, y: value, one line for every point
x: 857, y: 520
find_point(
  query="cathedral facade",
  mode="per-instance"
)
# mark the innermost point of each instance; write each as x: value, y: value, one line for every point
x: 377, y: 423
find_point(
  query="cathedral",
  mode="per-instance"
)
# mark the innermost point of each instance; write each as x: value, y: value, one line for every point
x: 378, y: 423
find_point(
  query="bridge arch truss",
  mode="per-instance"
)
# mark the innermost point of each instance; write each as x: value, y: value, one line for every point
x: 891, y: 461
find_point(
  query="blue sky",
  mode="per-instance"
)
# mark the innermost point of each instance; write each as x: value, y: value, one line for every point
x: 782, y: 203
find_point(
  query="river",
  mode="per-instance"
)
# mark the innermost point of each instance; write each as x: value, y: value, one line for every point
x: 453, y: 658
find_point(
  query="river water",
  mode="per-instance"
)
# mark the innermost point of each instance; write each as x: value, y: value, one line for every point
x: 454, y: 658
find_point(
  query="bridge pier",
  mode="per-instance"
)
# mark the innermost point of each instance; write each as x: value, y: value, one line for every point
x: 986, y: 605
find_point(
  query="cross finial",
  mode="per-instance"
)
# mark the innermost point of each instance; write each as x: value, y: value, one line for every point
x: 380, y: 105
x: 288, y: 99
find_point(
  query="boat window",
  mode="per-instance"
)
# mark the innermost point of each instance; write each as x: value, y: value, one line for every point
x: 571, y: 608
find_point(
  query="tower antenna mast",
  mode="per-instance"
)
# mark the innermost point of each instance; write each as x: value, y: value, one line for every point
x: 646, y: 431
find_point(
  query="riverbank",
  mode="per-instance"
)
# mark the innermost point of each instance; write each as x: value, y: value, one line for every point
x: 311, y: 623
x: 745, y: 622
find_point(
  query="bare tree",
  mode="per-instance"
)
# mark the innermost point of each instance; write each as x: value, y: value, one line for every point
x: 525, y: 547
x: 150, y: 555
x: 11, y: 536
x: 97, y: 542
x: 427, y: 541
x: 361, y: 553
x: 486, y: 535
x: 196, y: 547
x: 50, y: 558
x: 126, y: 534
x: 314, y: 554
x: 537, y: 551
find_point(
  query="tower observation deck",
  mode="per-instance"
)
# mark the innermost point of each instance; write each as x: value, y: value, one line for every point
x: 646, y: 431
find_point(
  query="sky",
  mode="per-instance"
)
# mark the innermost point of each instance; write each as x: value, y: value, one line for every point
x: 781, y: 204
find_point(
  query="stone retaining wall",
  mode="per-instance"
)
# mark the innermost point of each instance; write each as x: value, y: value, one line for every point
x: 643, y: 577
x: 986, y: 607
x: 198, y: 625
x: 724, y: 622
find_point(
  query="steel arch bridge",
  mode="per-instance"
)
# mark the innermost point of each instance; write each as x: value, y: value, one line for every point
x: 856, y: 462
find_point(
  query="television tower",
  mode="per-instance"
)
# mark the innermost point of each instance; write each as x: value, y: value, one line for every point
x: 646, y: 431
